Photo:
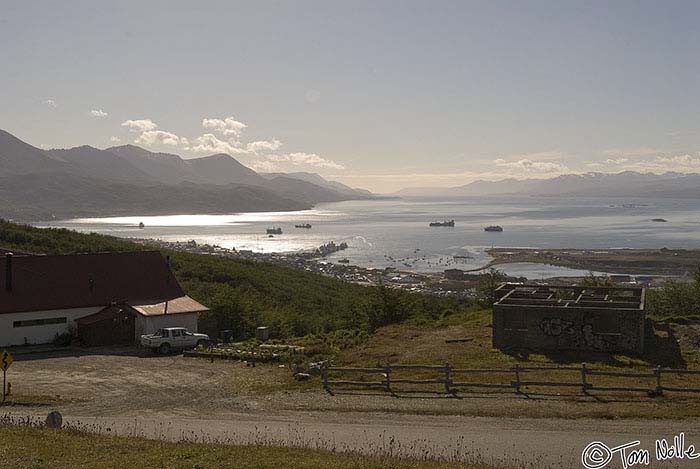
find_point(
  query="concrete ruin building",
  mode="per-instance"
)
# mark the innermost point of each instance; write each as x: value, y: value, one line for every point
x: 546, y: 318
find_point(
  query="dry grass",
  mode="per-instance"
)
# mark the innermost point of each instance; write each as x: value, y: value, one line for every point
x: 33, y: 447
x: 408, y: 344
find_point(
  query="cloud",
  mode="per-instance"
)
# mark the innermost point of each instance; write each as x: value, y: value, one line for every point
x: 308, y: 159
x: 615, y: 161
x: 264, y: 166
x: 210, y: 143
x: 678, y: 163
x: 263, y: 146
x: 50, y: 103
x: 152, y: 137
x: 227, y: 126
x: 682, y: 163
x: 114, y: 139
x: 98, y: 113
x: 526, y: 165
x: 260, y: 154
x: 139, y: 125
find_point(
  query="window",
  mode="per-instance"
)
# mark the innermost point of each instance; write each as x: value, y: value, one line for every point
x: 177, y: 332
x: 39, y: 322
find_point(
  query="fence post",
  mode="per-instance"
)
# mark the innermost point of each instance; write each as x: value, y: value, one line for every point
x: 659, y: 389
x: 324, y: 376
x: 517, y: 378
x: 448, y: 378
x: 584, y: 383
x: 387, y: 380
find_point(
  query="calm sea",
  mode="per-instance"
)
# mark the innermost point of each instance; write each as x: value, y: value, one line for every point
x: 395, y: 232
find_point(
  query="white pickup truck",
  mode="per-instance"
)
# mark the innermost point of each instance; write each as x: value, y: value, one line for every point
x: 173, y: 338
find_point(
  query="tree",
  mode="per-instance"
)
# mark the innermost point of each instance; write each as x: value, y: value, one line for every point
x: 488, y: 283
x: 592, y: 280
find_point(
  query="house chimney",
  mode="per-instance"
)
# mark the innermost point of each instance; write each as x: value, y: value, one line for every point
x: 8, y: 271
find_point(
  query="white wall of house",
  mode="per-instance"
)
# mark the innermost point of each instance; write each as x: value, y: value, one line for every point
x: 12, y: 333
x: 150, y: 324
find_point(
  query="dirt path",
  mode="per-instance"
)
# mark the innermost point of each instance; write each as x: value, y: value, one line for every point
x: 174, y: 398
x: 533, y: 443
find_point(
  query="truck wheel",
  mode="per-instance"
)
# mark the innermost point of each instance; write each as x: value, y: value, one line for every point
x: 164, y: 349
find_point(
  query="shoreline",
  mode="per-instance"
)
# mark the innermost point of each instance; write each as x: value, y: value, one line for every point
x: 624, y: 261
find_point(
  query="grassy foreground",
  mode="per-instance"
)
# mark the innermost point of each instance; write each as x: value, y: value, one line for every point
x: 33, y: 447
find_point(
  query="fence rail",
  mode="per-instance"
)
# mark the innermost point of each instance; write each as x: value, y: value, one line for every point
x: 447, y: 378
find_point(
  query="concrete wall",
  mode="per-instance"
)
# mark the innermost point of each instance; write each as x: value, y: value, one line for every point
x: 552, y: 328
x: 39, y: 334
x: 150, y: 324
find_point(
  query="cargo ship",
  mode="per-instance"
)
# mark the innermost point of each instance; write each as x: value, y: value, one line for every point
x: 443, y: 223
x: 274, y: 231
x: 494, y: 228
x: 306, y: 226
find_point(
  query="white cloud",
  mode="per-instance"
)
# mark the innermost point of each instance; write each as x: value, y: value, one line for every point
x: 98, y: 113
x: 50, y: 103
x: 227, y: 126
x: 114, y: 139
x: 264, y: 166
x: 139, y: 125
x: 684, y: 163
x: 152, y: 137
x: 262, y: 146
x: 526, y: 165
x: 210, y: 143
x: 308, y: 159
x: 616, y: 161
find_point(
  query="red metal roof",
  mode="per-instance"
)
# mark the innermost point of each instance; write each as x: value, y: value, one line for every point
x: 84, y: 280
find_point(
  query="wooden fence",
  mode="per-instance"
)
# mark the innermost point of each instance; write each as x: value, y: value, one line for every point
x: 452, y: 379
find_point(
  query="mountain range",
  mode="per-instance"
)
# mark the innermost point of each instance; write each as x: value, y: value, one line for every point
x: 38, y: 184
x: 623, y: 184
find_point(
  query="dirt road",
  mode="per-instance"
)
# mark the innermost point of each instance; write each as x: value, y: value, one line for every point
x: 174, y: 398
x: 521, y: 443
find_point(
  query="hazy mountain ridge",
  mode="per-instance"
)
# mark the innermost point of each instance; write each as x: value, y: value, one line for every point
x: 84, y: 180
x: 321, y: 181
x: 623, y: 184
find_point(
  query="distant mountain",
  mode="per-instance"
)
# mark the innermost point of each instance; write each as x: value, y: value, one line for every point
x: 624, y: 184
x: 297, y: 189
x: 84, y: 180
x: 93, y: 163
x: 164, y: 167
x: 225, y: 169
x: 321, y: 181
x: 44, y: 197
x: 17, y: 157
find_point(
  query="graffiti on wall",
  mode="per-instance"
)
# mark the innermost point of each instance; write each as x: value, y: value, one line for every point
x: 556, y: 326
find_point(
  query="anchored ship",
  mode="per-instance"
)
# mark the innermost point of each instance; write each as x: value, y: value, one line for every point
x: 495, y: 228
x: 306, y: 226
x: 443, y: 223
x: 274, y: 231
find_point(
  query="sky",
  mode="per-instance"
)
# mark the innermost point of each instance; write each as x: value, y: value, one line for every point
x: 377, y: 94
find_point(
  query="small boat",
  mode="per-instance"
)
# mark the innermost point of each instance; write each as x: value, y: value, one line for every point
x: 443, y: 223
x: 141, y: 225
x: 659, y: 220
x: 274, y: 231
x: 494, y: 228
x: 306, y: 226
x: 270, y: 236
x: 345, y: 260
